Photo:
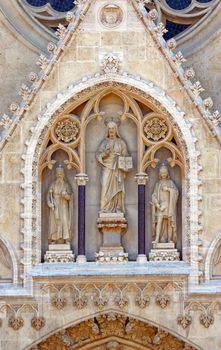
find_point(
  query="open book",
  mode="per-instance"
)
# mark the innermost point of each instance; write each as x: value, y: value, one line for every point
x: 125, y: 163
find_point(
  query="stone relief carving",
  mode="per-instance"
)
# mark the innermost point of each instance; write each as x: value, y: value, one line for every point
x: 111, y: 16
x: 164, y: 202
x: 67, y: 131
x: 155, y: 129
x: 109, y: 324
x: 59, y: 201
x: 112, y: 154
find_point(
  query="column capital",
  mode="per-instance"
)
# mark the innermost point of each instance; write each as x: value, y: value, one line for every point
x: 141, y: 178
x: 81, y: 179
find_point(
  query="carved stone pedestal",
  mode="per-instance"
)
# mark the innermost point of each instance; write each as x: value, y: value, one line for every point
x: 164, y: 252
x: 112, y: 226
x: 59, y: 253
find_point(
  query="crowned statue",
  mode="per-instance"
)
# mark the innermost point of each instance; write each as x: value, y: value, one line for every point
x: 164, y: 208
x: 112, y: 154
x: 59, y: 199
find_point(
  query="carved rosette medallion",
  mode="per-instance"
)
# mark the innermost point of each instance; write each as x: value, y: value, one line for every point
x: 67, y: 130
x: 155, y: 129
x: 111, y: 16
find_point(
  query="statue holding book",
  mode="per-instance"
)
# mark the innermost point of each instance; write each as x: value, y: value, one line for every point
x: 113, y: 156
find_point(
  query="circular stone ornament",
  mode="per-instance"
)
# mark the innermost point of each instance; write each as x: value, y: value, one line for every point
x: 155, y: 129
x: 67, y: 130
x: 111, y: 16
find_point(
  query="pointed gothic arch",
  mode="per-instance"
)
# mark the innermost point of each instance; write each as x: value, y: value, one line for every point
x: 64, y: 103
x: 124, y: 331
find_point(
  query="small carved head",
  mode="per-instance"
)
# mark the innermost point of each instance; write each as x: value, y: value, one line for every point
x: 112, y: 130
x: 164, y: 172
x: 60, y: 172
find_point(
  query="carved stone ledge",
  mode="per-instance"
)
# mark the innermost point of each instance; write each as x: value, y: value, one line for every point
x: 111, y: 255
x: 164, y: 254
x: 59, y: 253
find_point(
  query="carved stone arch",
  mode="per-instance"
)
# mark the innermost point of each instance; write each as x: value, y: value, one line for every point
x: 74, y: 95
x: 9, y: 257
x: 214, y: 253
x: 124, y: 331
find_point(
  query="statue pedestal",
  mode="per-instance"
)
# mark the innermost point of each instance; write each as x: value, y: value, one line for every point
x: 59, y: 253
x: 112, y: 226
x: 164, y: 252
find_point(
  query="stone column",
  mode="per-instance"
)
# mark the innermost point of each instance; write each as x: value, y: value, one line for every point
x: 82, y: 180
x: 141, y: 179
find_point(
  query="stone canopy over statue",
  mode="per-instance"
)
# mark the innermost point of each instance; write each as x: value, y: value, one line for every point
x: 164, y: 208
x: 112, y: 154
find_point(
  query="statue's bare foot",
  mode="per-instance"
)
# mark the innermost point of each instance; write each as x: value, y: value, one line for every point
x: 156, y: 241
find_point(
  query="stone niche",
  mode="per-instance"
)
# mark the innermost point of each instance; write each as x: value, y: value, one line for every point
x: 48, y: 176
x: 110, y: 105
x: 150, y: 140
x: 153, y: 174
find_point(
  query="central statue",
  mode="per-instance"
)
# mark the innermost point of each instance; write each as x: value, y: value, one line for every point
x: 112, y: 155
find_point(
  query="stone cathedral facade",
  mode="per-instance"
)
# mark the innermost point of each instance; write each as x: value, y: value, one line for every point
x: 110, y: 175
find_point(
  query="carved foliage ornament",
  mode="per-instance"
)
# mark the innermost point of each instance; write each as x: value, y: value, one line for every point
x: 155, y: 129
x: 111, y: 16
x: 67, y: 130
x: 110, y: 64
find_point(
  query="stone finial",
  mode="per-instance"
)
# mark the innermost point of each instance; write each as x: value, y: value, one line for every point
x: 110, y: 64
